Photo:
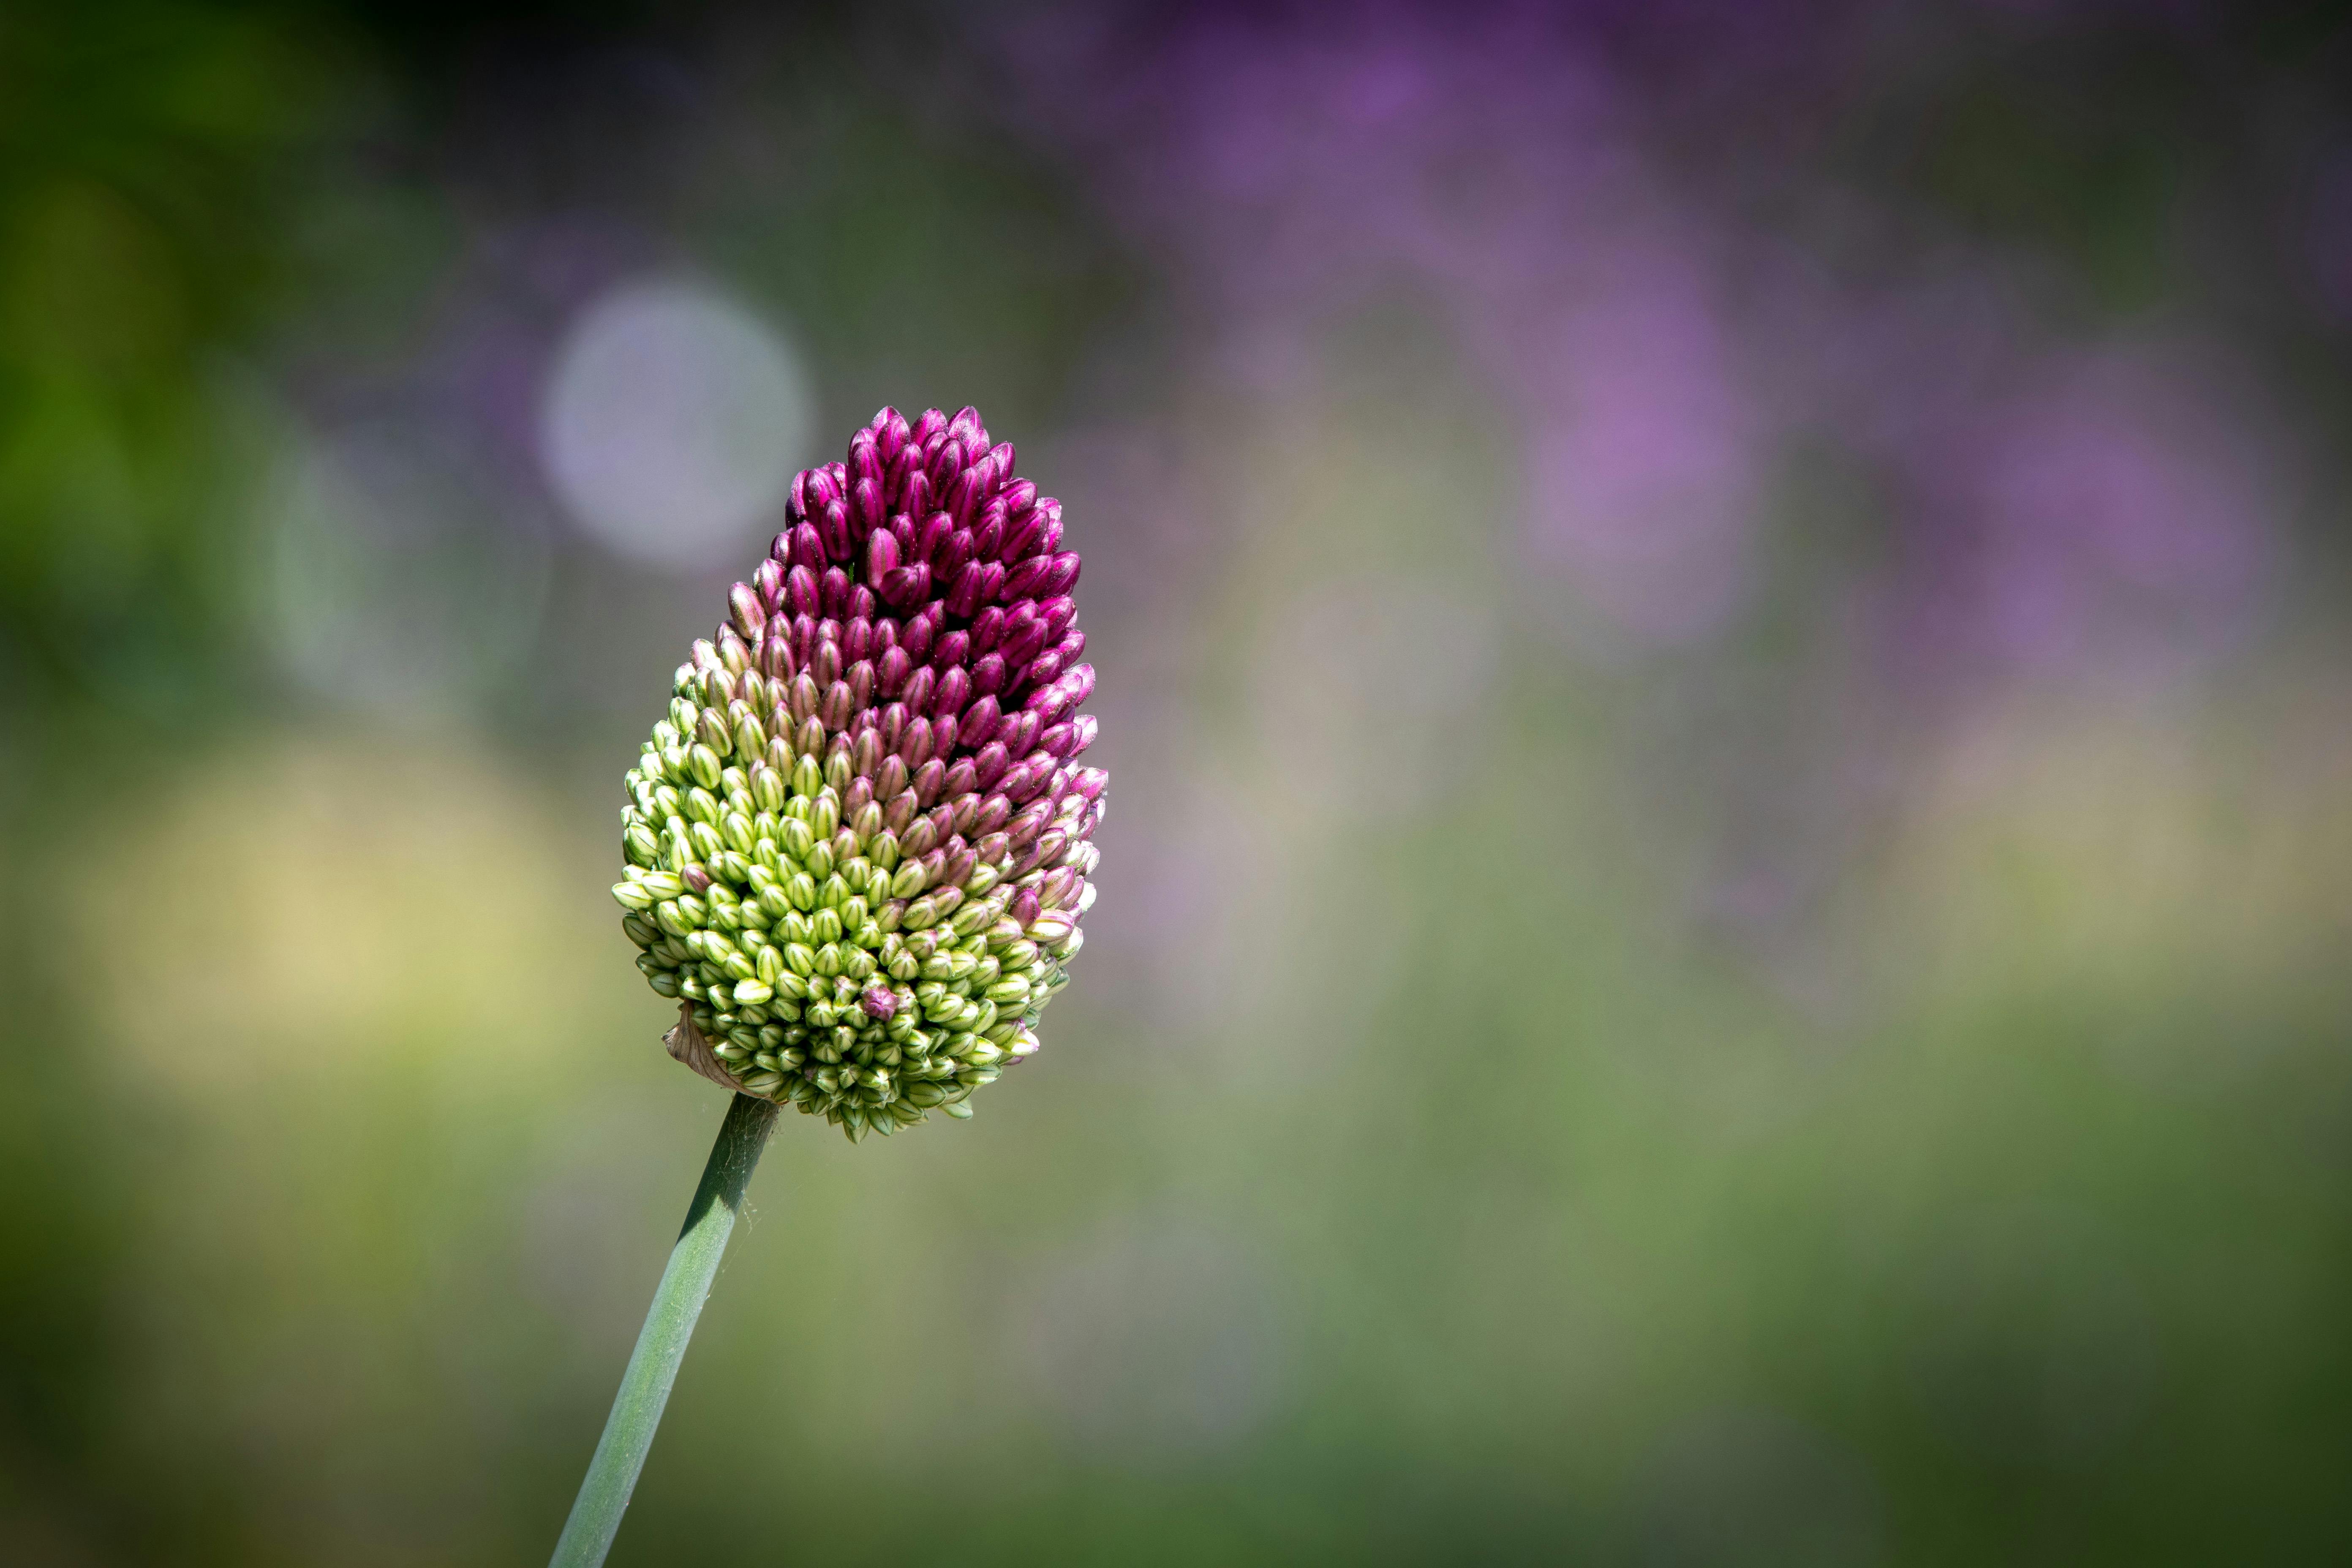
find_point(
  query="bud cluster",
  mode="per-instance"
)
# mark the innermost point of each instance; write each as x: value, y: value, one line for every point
x: 857, y: 846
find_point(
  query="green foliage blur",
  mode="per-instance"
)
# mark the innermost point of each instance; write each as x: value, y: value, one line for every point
x: 1795, y: 1092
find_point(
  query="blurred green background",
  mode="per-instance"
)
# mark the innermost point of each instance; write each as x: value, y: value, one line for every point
x: 1722, y: 659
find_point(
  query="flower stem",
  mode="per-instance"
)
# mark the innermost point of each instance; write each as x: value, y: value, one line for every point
x: 661, y: 1343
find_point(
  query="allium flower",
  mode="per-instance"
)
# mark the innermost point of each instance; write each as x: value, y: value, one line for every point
x: 858, y: 844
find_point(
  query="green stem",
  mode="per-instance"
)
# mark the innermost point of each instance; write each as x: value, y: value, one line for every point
x: 661, y: 1343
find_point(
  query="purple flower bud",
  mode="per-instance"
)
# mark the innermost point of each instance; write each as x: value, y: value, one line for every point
x: 819, y: 489
x: 1023, y: 581
x: 1025, y: 824
x: 696, y: 879
x: 1049, y: 703
x: 988, y: 532
x: 881, y: 556
x: 1024, y: 907
x: 833, y: 530
x: 917, y: 838
x: 989, y: 764
x: 834, y: 708
x: 961, y: 779
x: 915, y: 747
x: 891, y: 670
x: 880, y: 1004
x: 928, y: 778
x: 981, y: 720
x: 865, y: 753
x: 776, y: 655
x: 914, y: 496
x: 866, y: 511
x: 1081, y: 683
x: 1019, y: 732
x: 1025, y: 779
x: 947, y: 463
x: 931, y: 540
x: 1043, y: 670
x: 832, y: 593
x: 808, y: 550
x: 1025, y: 635
x: 1084, y: 726
x: 1060, y: 740
x: 767, y: 578
x: 951, y: 651
x: 889, y: 433
x: 964, y: 495
x: 891, y: 778
x: 954, y: 556
x: 908, y: 586
x: 916, y: 639
x: 955, y: 690
x: 800, y: 589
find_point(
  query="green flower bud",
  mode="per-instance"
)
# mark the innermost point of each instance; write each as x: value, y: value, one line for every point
x: 807, y: 777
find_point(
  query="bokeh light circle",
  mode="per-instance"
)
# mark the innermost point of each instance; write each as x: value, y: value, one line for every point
x: 673, y: 420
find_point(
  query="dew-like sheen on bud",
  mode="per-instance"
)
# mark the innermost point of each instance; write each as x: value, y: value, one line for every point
x: 855, y: 852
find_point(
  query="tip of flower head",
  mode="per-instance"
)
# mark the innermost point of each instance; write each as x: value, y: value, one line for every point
x: 858, y: 843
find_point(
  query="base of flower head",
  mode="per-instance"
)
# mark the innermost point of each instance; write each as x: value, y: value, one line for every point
x: 866, y: 1010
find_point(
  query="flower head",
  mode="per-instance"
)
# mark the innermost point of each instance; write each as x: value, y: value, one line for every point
x: 858, y: 843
